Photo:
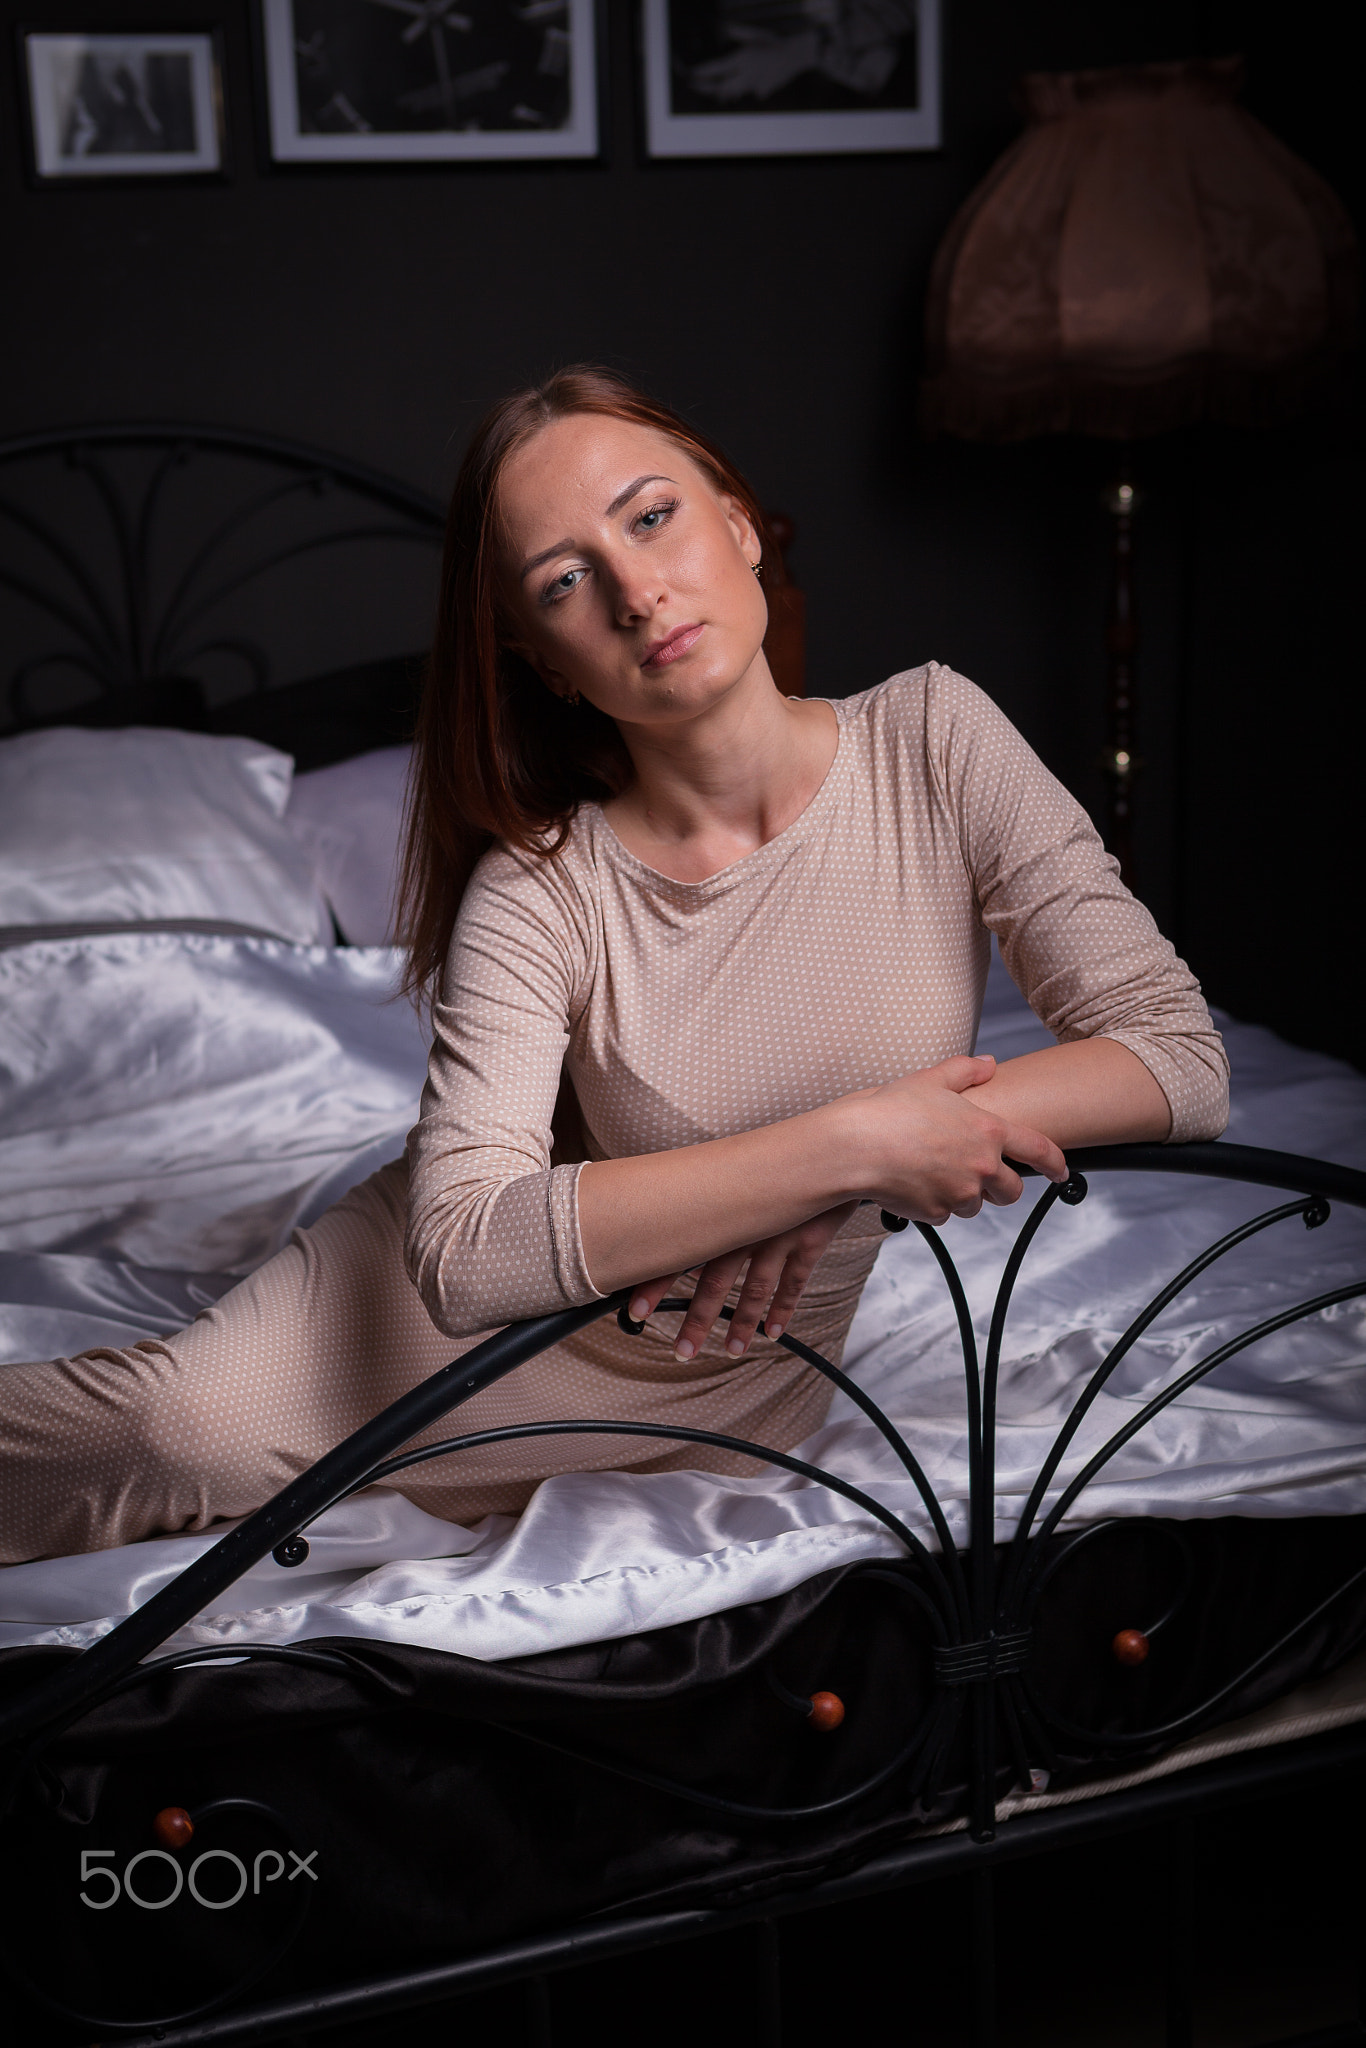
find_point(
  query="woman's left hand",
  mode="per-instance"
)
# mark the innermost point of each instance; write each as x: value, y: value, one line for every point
x: 779, y: 1269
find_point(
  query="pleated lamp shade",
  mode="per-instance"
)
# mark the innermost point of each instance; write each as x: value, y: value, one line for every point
x: 1147, y: 254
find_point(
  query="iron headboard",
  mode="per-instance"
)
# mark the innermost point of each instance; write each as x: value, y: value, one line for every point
x: 121, y: 546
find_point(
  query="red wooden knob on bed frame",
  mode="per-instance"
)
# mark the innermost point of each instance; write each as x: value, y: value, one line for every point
x: 827, y: 1711
x: 1130, y: 1646
x: 173, y: 1827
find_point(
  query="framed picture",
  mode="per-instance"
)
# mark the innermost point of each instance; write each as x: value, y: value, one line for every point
x: 790, y: 78
x: 412, y: 81
x: 123, y: 105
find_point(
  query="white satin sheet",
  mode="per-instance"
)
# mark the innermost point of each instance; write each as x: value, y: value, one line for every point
x: 245, y: 1067
x: 184, y: 1101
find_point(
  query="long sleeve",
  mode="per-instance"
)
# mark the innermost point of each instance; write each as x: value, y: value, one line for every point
x: 1086, y: 954
x: 493, y: 1230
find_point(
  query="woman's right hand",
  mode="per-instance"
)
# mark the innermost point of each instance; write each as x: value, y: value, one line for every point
x: 934, y: 1153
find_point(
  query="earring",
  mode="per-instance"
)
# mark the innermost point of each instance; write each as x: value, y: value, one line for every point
x: 571, y: 698
x: 758, y: 568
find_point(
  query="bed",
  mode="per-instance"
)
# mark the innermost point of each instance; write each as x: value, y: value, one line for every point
x: 658, y: 1704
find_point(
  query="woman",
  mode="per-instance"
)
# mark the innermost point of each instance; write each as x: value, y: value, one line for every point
x: 751, y: 935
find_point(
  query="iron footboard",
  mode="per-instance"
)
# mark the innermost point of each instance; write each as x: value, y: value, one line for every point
x: 979, y: 1603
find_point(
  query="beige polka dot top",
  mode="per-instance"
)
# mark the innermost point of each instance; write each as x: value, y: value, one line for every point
x: 850, y: 949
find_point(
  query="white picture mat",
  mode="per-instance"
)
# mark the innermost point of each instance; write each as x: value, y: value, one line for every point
x: 841, y: 132
x: 288, y: 144
x: 51, y: 60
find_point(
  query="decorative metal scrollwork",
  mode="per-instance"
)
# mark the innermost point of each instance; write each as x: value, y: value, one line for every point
x: 128, y: 620
x: 174, y: 1838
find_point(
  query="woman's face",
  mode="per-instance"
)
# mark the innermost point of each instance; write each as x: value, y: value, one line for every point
x: 627, y: 576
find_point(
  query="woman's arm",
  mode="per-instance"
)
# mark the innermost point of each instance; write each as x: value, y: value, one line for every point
x: 918, y: 1145
x: 1095, y: 1092
x: 1085, y: 954
x: 1092, y: 1092
x: 930, y: 1146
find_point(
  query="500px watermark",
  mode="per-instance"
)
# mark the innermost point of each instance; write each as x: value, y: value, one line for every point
x: 96, y: 1871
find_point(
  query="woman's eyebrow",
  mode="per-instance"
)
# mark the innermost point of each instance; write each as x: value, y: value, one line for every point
x: 561, y: 547
x: 622, y: 498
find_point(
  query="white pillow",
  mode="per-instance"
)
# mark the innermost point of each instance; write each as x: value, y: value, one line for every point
x: 350, y: 817
x: 145, y: 825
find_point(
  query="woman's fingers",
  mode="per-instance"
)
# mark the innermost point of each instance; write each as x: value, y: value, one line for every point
x: 717, y: 1278
x: 778, y: 1273
x: 1003, y: 1187
x: 789, y: 1291
x: 964, y: 1070
x: 1032, y: 1148
x: 711, y: 1284
x: 767, y: 1269
x: 650, y: 1293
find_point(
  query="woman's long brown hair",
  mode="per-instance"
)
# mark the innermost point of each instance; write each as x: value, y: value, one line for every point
x: 496, y: 754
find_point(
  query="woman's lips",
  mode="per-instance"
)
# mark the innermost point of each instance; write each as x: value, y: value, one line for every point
x: 665, y: 651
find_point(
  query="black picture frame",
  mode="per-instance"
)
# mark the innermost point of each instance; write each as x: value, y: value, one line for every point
x: 124, y: 105
x: 347, y: 128
x: 736, y: 78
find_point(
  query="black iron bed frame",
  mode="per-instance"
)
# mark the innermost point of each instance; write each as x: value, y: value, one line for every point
x: 139, y: 600
x: 979, y: 1608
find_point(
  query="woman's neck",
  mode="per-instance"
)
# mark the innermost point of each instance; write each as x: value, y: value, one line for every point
x: 714, y: 788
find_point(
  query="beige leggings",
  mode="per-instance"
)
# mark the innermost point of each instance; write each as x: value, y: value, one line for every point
x: 179, y: 1432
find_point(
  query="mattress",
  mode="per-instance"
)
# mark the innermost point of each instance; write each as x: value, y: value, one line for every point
x: 180, y: 1103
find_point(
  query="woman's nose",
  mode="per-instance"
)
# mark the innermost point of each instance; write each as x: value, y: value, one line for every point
x: 638, y: 593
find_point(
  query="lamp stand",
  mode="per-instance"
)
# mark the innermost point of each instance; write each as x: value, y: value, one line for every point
x: 1119, y: 760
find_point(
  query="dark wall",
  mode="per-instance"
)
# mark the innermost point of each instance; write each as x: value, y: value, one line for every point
x: 779, y: 303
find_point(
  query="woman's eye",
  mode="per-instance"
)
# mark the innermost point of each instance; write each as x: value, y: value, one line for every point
x: 563, y: 584
x: 655, y: 517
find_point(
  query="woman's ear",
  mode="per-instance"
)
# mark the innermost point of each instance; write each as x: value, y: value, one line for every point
x: 742, y: 526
